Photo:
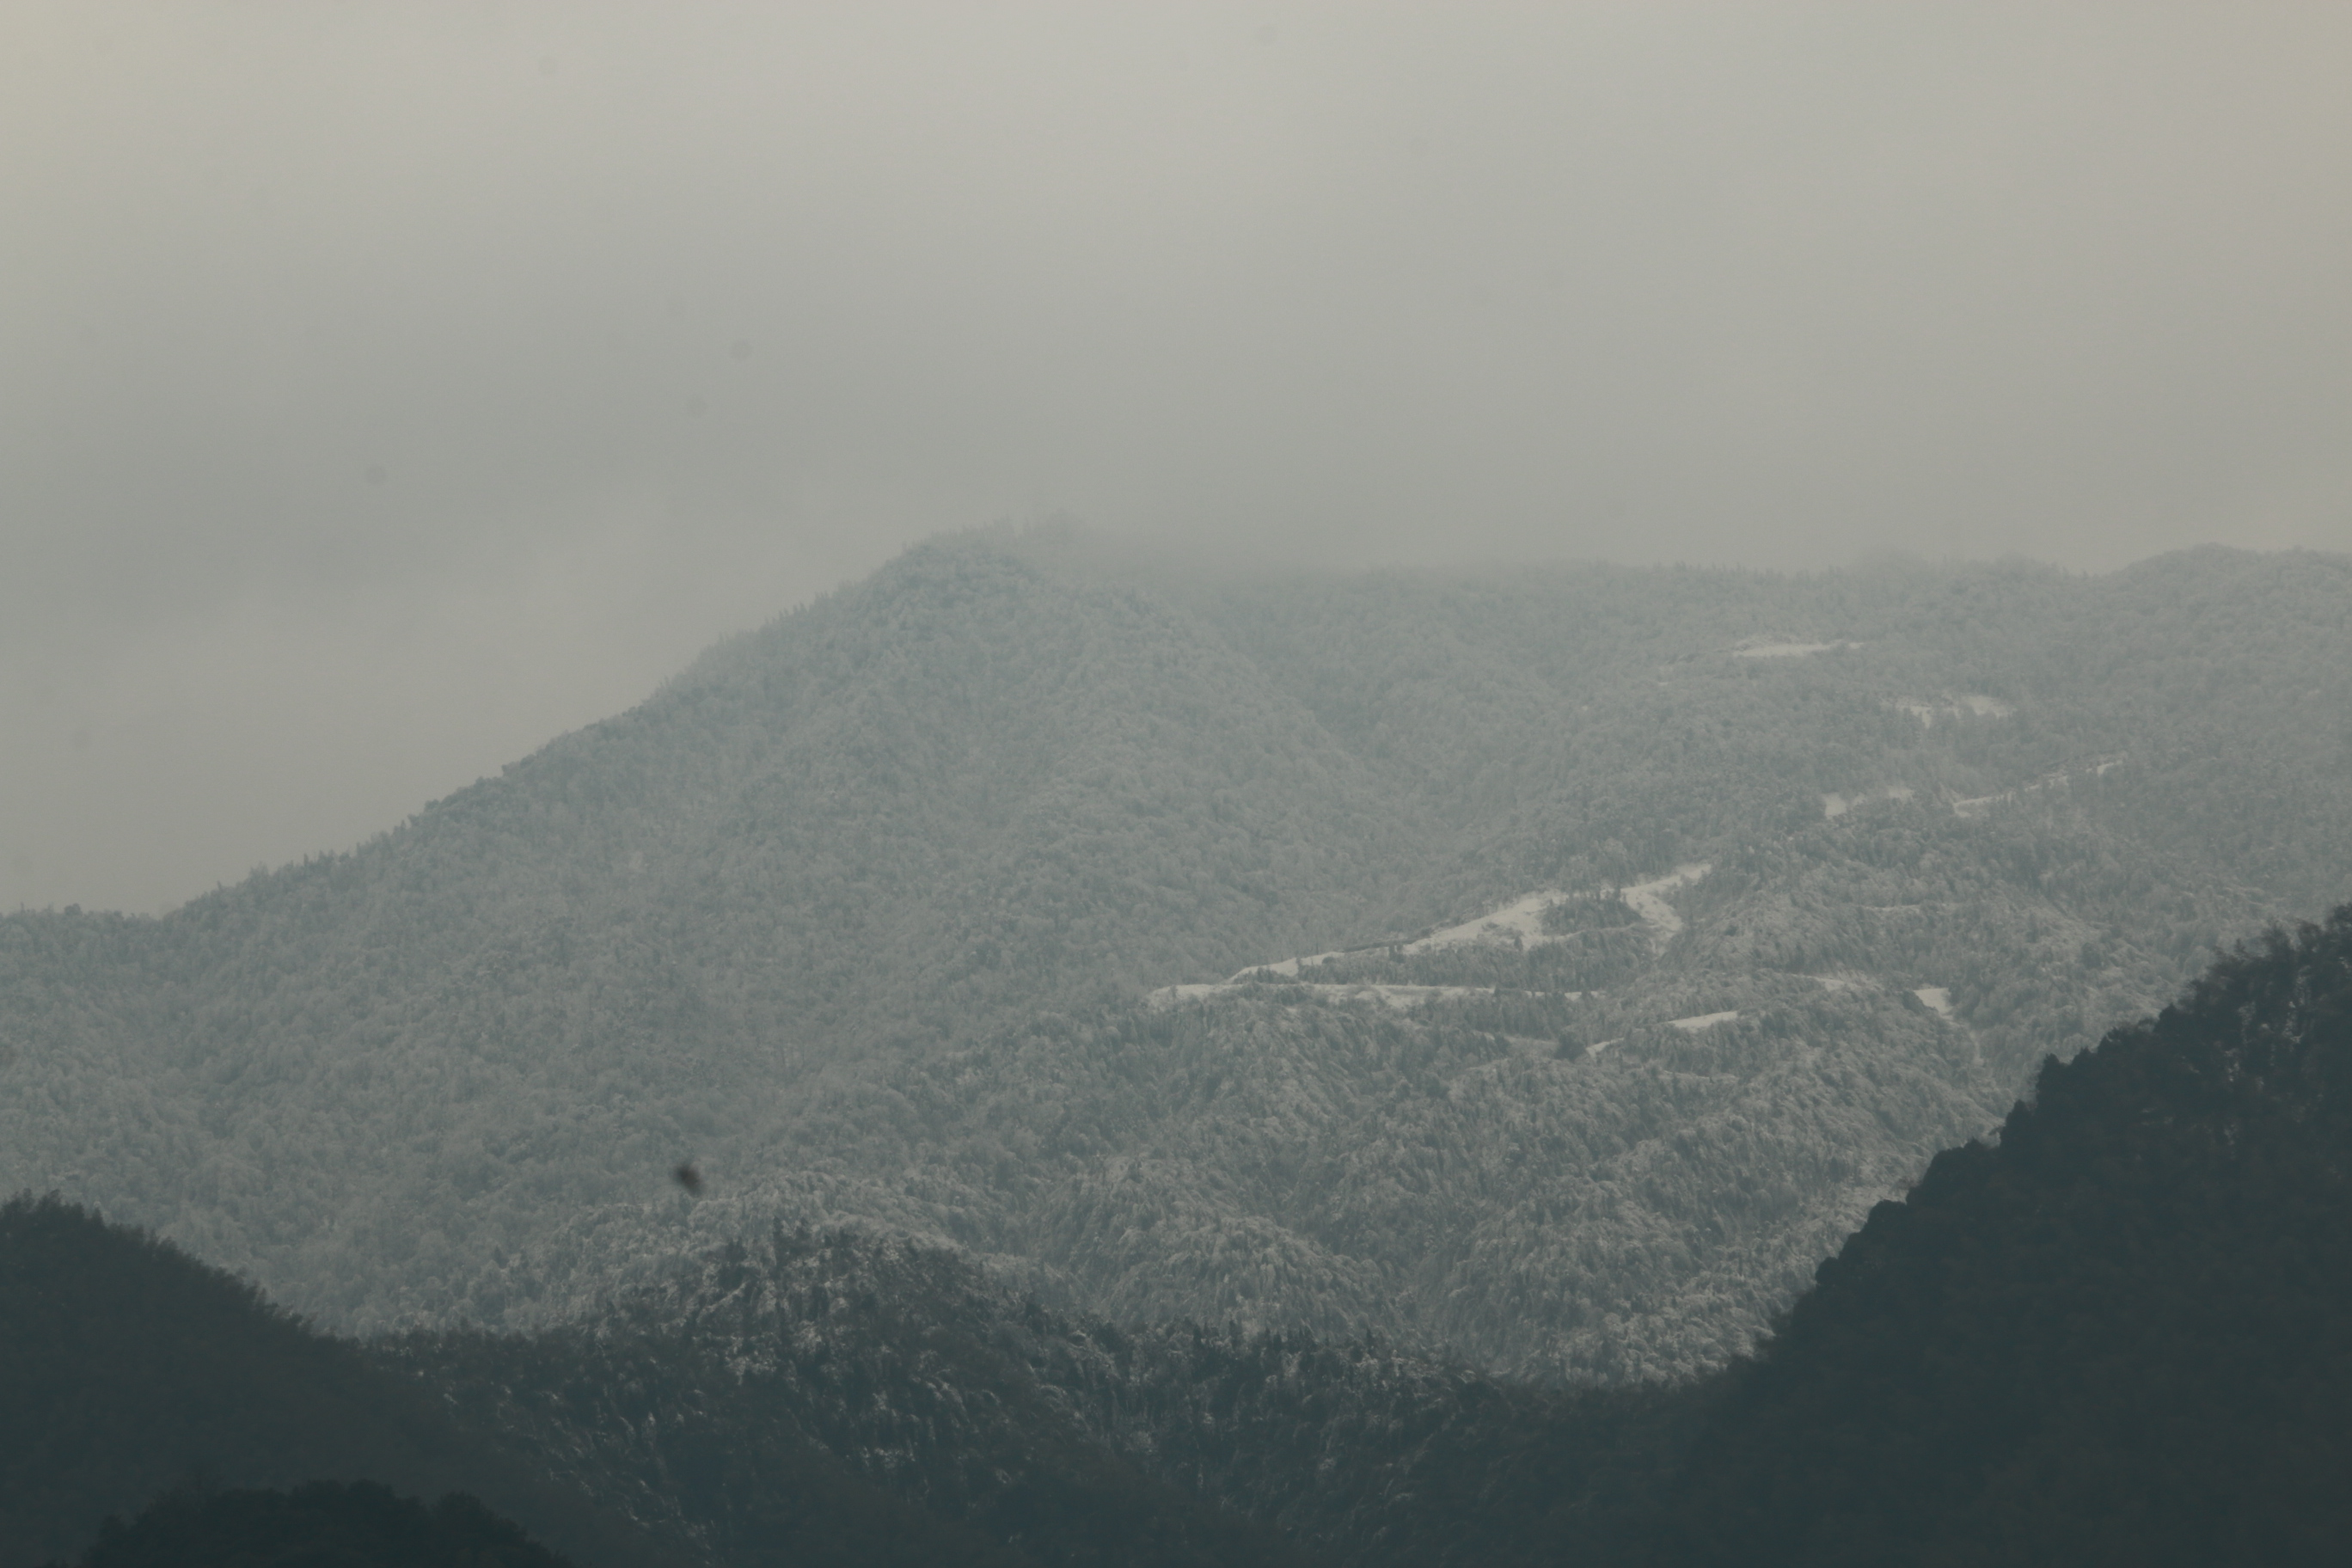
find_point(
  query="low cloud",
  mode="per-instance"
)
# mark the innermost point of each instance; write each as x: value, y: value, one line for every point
x: 386, y: 389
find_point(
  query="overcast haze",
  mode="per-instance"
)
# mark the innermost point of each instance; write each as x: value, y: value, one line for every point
x: 386, y: 389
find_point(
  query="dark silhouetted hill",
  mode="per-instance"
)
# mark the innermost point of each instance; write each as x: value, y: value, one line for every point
x: 319, y: 1524
x: 128, y: 1370
x: 2121, y: 1335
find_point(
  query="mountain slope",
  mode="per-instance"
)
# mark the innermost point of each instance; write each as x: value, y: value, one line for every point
x: 957, y: 795
x: 127, y: 1368
x: 1076, y: 1439
x: 863, y: 913
x: 361, y: 1525
x: 2119, y: 1336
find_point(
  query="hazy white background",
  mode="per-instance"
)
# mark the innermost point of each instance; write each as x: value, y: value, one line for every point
x: 384, y: 389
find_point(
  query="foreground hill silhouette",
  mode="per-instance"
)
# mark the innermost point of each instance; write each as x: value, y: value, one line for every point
x: 869, y: 916
x: 319, y: 1524
x: 129, y: 1370
x: 2122, y: 1335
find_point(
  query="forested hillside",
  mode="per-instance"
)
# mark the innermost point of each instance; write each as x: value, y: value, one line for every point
x: 2122, y: 1335
x: 875, y: 913
x: 1080, y: 1440
x: 322, y: 1524
x: 2114, y: 1336
x: 129, y: 1373
x: 2117, y: 1336
x: 128, y: 1369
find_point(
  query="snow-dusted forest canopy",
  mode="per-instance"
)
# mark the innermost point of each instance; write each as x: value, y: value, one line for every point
x: 875, y: 914
x: 2114, y: 1335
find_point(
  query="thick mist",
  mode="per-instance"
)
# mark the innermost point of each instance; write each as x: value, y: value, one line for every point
x: 385, y: 390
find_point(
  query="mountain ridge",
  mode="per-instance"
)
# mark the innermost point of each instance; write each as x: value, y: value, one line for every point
x: 989, y: 798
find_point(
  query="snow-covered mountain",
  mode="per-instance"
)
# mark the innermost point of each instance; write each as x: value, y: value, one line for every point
x: 965, y: 900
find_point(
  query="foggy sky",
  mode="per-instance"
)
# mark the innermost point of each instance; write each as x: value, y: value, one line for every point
x: 386, y: 389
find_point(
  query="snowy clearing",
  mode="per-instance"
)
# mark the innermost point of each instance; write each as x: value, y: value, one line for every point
x: 1517, y: 925
x: 2094, y: 767
x: 1972, y: 704
x: 1842, y: 981
x: 1787, y: 649
x: 1703, y: 1021
x: 1291, y: 965
x: 1398, y: 997
x: 1839, y: 805
x: 1648, y: 899
x: 1938, y: 1001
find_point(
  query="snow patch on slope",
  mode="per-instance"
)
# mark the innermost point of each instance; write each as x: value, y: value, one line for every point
x: 1843, y: 982
x: 1400, y: 998
x: 1648, y: 899
x: 1290, y: 966
x: 1834, y: 805
x: 1975, y: 704
x: 1759, y: 647
x: 1517, y: 925
x: 1977, y: 805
